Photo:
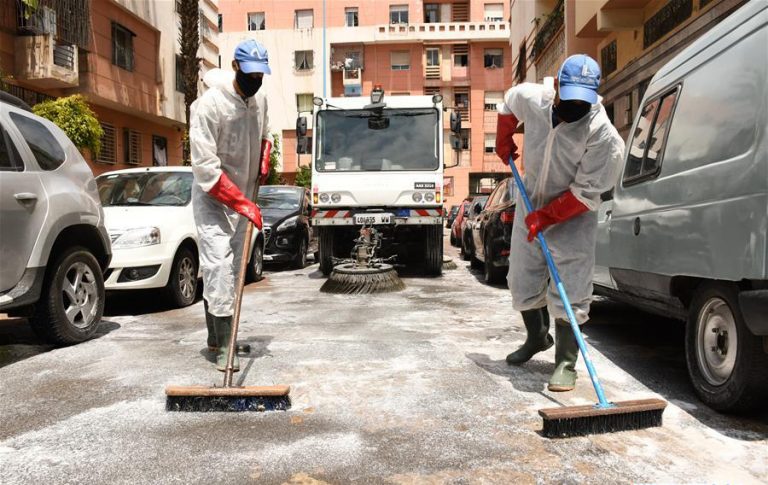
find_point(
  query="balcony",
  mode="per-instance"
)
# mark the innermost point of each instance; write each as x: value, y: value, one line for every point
x: 41, y: 61
x: 598, y: 18
x: 444, y: 31
x: 549, y: 31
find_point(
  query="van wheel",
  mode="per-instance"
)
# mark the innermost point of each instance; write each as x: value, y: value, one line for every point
x: 182, y: 283
x: 726, y: 362
x: 433, y: 246
x: 326, y: 250
x: 72, y: 300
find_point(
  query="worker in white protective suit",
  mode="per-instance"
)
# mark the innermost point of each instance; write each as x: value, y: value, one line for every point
x: 230, y: 144
x: 572, y: 154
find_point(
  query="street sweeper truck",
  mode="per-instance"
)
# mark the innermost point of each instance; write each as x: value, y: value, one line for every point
x: 377, y: 164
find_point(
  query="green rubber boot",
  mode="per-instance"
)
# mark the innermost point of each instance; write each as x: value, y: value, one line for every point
x: 538, y: 338
x: 224, y: 332
x: 566, y: 355
x: 213, y: 342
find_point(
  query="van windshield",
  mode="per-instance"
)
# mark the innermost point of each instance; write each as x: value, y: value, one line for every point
x: 364, y: 140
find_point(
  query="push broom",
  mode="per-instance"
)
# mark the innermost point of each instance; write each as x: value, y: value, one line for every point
x: 605, y: 416
x: 229, y: 397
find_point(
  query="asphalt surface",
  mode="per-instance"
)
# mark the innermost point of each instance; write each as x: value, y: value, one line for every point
x: 409, y: 387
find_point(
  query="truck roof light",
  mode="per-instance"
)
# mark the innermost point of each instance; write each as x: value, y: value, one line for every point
x: 437, y: 98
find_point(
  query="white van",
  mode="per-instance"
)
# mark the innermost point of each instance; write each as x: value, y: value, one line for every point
x: 685, y: 233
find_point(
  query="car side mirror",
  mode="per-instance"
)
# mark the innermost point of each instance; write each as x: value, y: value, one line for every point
x: 477, y: 209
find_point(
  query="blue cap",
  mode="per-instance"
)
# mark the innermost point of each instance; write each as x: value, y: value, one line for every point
x: 579, y: 78
x: 252, y: 57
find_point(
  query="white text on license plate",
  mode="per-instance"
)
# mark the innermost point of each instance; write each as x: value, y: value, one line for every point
x: 370, y: 219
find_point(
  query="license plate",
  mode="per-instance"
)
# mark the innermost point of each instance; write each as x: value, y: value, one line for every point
x: 372, y: 219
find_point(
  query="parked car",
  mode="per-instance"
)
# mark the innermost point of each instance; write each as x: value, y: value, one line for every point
x: 684, y: 233
x: 289, y: 236
x: 151, y: 223
x: 492, y: 232
x: 451, y: 216
x: 54, y: 246
x: 476, y: 205
x: 457, y: 221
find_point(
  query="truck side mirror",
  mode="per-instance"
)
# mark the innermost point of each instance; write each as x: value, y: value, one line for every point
x: 455, y: 122
x: 303, y: 146
x: 301, y: 126
x: 456, y: 143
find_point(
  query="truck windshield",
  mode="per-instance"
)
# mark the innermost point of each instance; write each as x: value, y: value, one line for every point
x: 362, y: 140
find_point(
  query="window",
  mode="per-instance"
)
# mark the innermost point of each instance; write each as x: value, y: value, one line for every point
x: 179, y: 75
x: 493, y: 58
x: 304, y: 60
x: 461, y: 55
x: 257, y: 21
x: 490, y: 142
x: 45, y: 148
x: 401, y: 60
x: 304, y: 19
x: 398, y: 14
x: 220, y: 23
x: 159, y: 151
x: 647, y: 146
x: 352, y: 60
x: 350, y: 16
x: 131, y: 146
x: 108, y: 153
x: 304, y: 102
x: 492, y: 98
x: 431, y: 13
x: 494, y: 12
x: 448, y: 186
x: 433, y: 57
x: 10, y: 160
x: 464, y: 136
x: 461, y: 100
x: 122, y: 47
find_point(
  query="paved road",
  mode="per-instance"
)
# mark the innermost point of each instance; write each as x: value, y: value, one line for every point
x: 400, y: 388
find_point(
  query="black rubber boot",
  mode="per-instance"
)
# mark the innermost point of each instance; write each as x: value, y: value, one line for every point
x: 538, y: 338
x: 223, y: 332
x: 213, y: 342
x: 566, y: 355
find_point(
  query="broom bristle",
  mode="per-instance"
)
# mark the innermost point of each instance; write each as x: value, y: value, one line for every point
x: 206, y: 404
x: 584, y: 420
x: 347, y: 281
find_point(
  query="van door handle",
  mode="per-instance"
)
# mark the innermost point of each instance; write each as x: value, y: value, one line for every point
x: 25, y: 197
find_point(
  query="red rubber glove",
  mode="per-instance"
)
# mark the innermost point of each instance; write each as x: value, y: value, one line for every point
x: 226, y: 192
x: 561, y: 209
x: 505, y: 145
x: 266, y: 150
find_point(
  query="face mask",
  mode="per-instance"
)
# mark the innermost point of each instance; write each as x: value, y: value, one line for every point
x: 570, y: 111
x: 248, y: 85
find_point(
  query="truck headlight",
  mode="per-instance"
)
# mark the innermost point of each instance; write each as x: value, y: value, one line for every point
x: 136, y: 238
x: 289, y: 223
x: 429, y: 197
x: 325, y: 198
x: 416, y: 196
x: 336, y: 198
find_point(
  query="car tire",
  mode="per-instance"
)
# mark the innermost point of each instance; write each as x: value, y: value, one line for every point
x: 326, y: 250
x: 68, y: 314
x: 727, y: 374
x: 433, y: 259
x: 182, y: 282
x: 465, y: 255
x: 256, y: 264
x: 300, y: 260
x: 453, y: 240
x: 491, y: 274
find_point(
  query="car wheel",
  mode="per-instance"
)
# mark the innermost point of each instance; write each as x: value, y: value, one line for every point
x: 491, y: 274
x: 182, y: 283
x: 326, y: 250
x: 726, y: 362
x: 300, y: 260
x: 465, y: 255
x: 256, y: 264
x: 72, y: 299
x: 433, y: 242
x: 453, y: 240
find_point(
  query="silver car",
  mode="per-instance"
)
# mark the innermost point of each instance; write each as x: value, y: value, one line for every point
x: 53, y: 243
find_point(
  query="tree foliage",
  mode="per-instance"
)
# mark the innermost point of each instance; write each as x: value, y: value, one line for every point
x: 75, y: 118
x: 304, y: 176
x: 275, y: 177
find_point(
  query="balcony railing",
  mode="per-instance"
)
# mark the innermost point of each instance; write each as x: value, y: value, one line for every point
x: 552, y: 25
x: 69, y: 21
x: 27, y: 95
x: 432, y: 72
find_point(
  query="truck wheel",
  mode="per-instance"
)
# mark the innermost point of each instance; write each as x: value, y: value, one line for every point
x: 433, y: 260
x: 491, y: 274
x: 72, y: 300
x: 326, y: 250
x: 726, y: 362
x: 182, y: 283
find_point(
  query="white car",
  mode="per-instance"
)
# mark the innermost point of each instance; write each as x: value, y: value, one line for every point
x: 149, y: 218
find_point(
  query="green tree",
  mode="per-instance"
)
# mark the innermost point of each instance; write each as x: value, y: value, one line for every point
x: 275, y: 177
x: 304, y: 176
x: 75, y: 118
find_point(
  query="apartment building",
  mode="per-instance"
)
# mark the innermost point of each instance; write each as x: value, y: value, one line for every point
x: 121, y: 55
x: 457, y: 48
x: 631, y: 39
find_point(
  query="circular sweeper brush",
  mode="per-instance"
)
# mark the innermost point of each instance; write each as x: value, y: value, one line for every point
x: 349, y: 278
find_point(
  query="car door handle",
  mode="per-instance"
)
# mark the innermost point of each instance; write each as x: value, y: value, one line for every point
x: 23, y: 197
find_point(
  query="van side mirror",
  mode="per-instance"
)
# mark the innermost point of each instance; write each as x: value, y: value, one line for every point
x: 301, y: 126
x: 303, y: 146
x: 477, y: 209
x: 455, y: 122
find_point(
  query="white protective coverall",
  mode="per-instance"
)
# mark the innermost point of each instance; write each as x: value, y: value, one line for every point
x: 225, y: 135
x: 584, y: 157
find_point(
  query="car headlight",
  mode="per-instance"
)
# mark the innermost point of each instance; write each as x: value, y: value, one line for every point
x: 336, y: 198
x: 416, y: 196
x: 288, y: 223
x: 136, y: 238
x: 325, y: 198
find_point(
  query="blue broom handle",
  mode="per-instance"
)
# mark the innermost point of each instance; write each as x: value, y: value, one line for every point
x: 603, y: 403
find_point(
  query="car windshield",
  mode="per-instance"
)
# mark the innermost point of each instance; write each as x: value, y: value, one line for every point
x: 364, y: 140
x: 282, y: 198
x: 145, y: 189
